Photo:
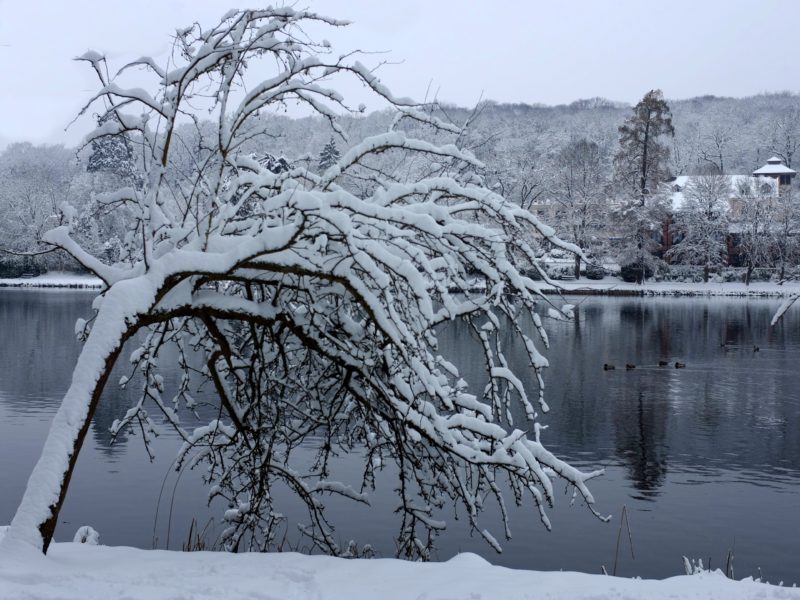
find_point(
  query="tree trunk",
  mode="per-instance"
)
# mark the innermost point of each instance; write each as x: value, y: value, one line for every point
x: 748, y: 274
x: 705, y: 273
x: 643, y: 180
x: 37, y: 515
x: 577, y: 267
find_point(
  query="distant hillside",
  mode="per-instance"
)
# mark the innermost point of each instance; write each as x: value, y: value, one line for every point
x: 738, y: 134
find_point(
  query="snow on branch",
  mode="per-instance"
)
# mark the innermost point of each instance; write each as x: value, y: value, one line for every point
x: 316, y: 302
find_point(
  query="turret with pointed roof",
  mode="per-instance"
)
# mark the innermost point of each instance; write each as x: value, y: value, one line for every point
x: 776, y: 170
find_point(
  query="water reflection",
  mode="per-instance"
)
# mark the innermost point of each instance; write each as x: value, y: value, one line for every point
x: 114, y: 405
x: 715, y: 411
x: 693, y: 452
x: 639, y: 441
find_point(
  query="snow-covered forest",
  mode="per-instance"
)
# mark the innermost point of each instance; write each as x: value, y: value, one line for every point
x: 558, y: 161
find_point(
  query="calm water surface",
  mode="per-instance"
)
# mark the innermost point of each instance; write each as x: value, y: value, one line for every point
x: 705, y: 458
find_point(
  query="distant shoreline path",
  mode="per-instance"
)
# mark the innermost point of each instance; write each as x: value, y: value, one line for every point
x: 615, y: 287
x: 586, y: 287
x: 54, y: 280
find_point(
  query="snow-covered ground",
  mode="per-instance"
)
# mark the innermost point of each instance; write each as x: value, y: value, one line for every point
x: 612, y: 285
x: 84, y: 572
x: 54, y: 279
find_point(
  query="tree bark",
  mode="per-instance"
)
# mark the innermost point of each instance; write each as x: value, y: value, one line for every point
x: 48, y: 528
x: 643, y: 181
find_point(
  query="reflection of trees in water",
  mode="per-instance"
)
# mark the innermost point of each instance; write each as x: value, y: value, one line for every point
x: 113, y: 406
x: 38, y: 345
x: 641, y: 403
x: 663, y: 333
x: 640, y: 428
x: 730, y: 409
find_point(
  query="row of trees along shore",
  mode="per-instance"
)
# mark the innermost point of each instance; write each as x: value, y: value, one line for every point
x: 595, y: 169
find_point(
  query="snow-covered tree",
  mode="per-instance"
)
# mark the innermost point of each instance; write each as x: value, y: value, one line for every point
x: 640, y: 167
x: 784, y: 138
x: 34, y: 180
x: 702, y: 223
x: 315, y: 311
x: 639, y: 228
x: 329, y: 155
x: 642, y: 159
x: 715, y: 147
x: 757, y: 197
x: 785, y: 231
x: 111, y: 154
x: 520, y: 174
x: 580, y: 190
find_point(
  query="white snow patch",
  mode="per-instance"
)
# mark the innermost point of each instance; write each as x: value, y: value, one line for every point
x: 81, y: 571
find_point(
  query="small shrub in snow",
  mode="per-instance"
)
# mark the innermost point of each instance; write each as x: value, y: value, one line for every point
x: 731, y: 276
x: 635, y: 272
x: 595, y: 272
x: 692, y: 567
x: 86, y: 535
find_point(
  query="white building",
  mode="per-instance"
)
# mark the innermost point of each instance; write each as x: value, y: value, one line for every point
x: 775, y: 169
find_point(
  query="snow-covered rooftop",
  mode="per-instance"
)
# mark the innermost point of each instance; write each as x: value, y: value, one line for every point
x: 774, y: 169
x: 736, y: 183
x: 775, y: 166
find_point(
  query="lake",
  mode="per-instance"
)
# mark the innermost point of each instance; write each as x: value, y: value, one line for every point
x: 706, y: 458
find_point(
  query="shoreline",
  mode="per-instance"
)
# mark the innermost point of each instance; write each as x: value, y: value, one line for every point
x: 50, y: 286
x: 56, y: 279
x: 605, y: 287
x: 676, y: 289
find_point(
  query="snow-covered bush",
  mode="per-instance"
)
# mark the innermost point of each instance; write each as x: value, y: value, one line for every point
x: 595, y: 272
x: 731, y: 275
x: 313, y: 300
x: 86, y: 535
x: 560, y: 271
x: 636, y: 272
x: 685, y: 273
x: 692, y: 567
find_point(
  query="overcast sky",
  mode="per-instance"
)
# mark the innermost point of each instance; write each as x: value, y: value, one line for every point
x: 529, y: 51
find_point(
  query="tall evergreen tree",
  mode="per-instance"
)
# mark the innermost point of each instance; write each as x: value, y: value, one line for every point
x: 111, y: 153
x: 641, y: 161
x: 329, y: 154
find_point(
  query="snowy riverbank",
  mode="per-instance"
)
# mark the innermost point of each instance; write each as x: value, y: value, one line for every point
x: 610, y: 286
x: 78, y: 571
x: 55, y: 279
